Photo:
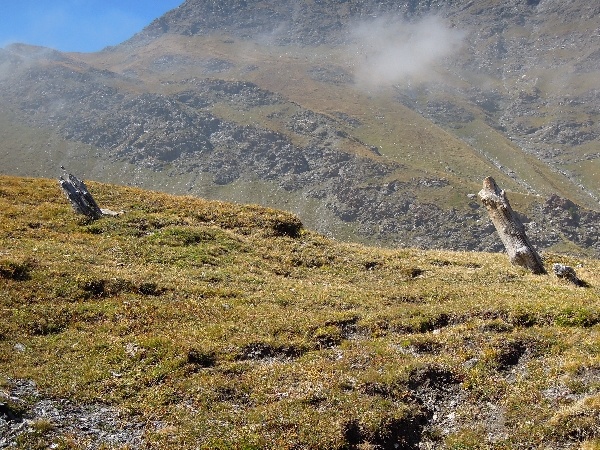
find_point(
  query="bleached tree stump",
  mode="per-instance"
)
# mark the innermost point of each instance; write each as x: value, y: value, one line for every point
x: 77, y: 193
x: 509, y: 228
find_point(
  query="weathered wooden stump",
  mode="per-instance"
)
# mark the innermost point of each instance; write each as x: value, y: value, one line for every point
x: 509, y: 228
x: 80, y: 198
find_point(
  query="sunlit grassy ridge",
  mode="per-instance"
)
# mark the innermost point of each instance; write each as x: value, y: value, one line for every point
x: 237, y: 328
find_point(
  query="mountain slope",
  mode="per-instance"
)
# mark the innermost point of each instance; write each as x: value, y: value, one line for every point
x: 194, y: 324
x: 525, y: 66
x: 278, y: 104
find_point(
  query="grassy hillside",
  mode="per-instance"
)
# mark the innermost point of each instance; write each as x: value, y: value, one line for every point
x: 230, y: 326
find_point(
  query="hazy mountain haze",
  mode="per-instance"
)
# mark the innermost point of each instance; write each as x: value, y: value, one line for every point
x: 389, y: 50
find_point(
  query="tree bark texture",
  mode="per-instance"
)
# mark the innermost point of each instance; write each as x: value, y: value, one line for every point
x: 77, y: 193
x: 509, y: 228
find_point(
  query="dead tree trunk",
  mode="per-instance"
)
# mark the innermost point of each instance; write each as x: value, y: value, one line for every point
x: 77, y: 193
x: 509, y: 228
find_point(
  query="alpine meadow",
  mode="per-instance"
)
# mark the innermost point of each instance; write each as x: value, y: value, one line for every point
x: 292, y: 252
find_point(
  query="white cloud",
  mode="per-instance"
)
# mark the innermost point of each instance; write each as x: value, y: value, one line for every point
x: 387, y: 51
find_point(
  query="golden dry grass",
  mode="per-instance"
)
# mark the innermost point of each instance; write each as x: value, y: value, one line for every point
x: 237, y: 328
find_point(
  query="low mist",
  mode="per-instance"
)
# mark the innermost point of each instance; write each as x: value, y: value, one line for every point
x: 388, y: 51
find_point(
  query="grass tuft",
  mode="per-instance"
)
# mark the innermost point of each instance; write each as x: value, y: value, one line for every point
x: 18, y: 271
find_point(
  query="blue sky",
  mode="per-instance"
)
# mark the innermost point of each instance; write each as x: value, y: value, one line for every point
x: 77, y: 25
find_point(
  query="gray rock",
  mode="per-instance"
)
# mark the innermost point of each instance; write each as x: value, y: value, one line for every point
x: 92, y: 426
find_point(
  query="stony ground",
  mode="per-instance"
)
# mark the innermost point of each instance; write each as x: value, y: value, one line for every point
x: 26, y: 416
